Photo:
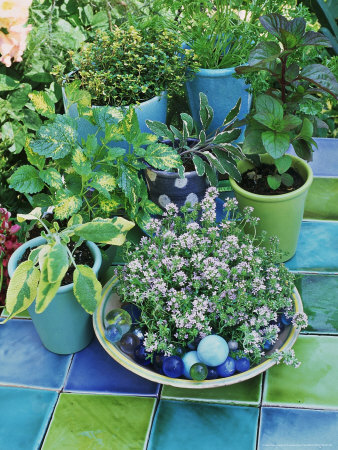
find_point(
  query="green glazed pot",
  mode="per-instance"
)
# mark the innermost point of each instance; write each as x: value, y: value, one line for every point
x: 280, y: 215
x: 64, y: 327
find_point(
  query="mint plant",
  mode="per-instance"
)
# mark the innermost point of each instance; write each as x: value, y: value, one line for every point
x: 209, y: 153
x: 40, y: 277
x: 280, y: 116
x: 89, y: 177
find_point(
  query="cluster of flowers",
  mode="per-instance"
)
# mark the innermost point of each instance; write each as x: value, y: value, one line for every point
x: 8, y: 243
x: 13, y: 29
x: 192, y: 278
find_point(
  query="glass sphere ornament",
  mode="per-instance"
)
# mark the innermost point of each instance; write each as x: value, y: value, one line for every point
x: 158, y: 359
x: 121, y: 318
x: 212, y: 373
x: 128, y: 343
x: 189, y: 359
x: 198, y: 371
x: 141, y: 356
x: 133, y: 311
x: 233, y: 346
x: 139, y: 333
x: 242, y: 364
x: 267, y: 345
x: 286, y: 320
x: 113, y: 333
x: 173, y: 366
x: 226, y: 369
x: 212, y: 350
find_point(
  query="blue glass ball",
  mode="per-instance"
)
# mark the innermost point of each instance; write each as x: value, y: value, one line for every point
x: 140, y: 356
x: 198, y: 371
x: 120, y: 317
x: 128, y: 343
x: 267, y: 345
x: 179, y: 351
x: 212, y: 373
x: 158, y: 359
x: 139, y: 333
x: 242, y: 364
x: 233, y: 346
x: 173, y: 366
x: 226, y: 369
x: 133, y: 311
x: 212, y: 350
x: 189, y: 359
x: 113, y: 333
x: 286, y: 320
x: 280, y: 325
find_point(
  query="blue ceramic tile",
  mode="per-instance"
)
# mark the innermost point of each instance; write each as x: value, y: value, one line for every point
x: 317, y: 249
x: 24, y: 417
x: 93, y: 370
x: 298, y: 429
x: 25, y: 361
x: 198, y: 426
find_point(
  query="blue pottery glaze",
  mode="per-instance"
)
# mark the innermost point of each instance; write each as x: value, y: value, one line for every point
x: 222, y: 90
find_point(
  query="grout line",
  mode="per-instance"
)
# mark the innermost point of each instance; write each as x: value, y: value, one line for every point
x: 151, y: 422
x: 67, y: 374
x: 50, y: 421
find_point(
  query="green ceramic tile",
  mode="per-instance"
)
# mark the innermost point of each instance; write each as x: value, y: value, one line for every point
x: 320, y: 301
x: 321, y: 202
x: 100, y: 422
x: 313, y: 384
x: 245, y: 393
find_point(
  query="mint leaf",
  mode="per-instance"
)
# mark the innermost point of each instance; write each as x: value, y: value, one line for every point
x: 26, y: 180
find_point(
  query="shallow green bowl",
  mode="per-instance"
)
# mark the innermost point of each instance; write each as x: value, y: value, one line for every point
x: 111, y: 300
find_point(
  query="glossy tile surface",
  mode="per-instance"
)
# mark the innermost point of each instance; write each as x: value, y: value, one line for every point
x: 196, y: 426
x: 321, y: 202
x: 99, y: 422
x: 314, y: 383
x: 246, y: 393
x: 25, y: 414
x: 317, y: 249
x: 298, y: 429
x: 320, y: 301
x: 25, y: 361
x: 93, y: 370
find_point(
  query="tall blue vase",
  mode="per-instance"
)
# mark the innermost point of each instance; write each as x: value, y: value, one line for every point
x: 222, y: 90
x: 64, y: 327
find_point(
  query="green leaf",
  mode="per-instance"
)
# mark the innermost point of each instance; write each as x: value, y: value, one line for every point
x: 206, y: 112
x: 129, y: 182
x: 51, y: 177
x: 43, y: 104
x: 90, y: 146
x: 287, y: 179
x: 227, y: 136
x: 267, y: 119
x: 303, y: 149
x: 228, y: 165
x: 76, y: 219
x: 199, y: 165
x: 67, y: 206
x: 274, y: 181
x: 264, y: 51
x: 273, y: 23
x: 290, y: 122
x: 104, y: 183
x: 19, y: 97
x: 33, y: 215
x: 42, y: 200
x: 151, y: 208
x: 7, y: 83
x: 211, y: 175
x: 233, y: 113
x: 57, y: 139
x: 202, y: 137
x: 31, y: 119
x: 276, y: 144
x: 80, y: 163
x: 26, y: 180
x: 321, y: 76
x: 292, y: 72
x: 87, y: 289
x: 57, y: 263
x: 188, y: 120
x: 313, y: 38
x: 267, y: 104
x: 106, y: 115
x: 213, y: 161
x: 105, y: 231
x: 306, y: 131
x: 22, y: 288
x: 130, y: 126
x: 160, y: 129
x: 75, y: 94
x: 162, y: 156
x: 46, y: 290
x: 283, y: 164
x: 253, y: 144
x: 115, y: 152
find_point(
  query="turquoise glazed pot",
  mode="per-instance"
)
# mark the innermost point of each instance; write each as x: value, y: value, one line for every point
x: 64, y: 327
x: 153, y: 109
x: 222, y: 90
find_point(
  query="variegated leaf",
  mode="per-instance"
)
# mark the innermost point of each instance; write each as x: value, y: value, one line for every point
x: 105, y: 231
x: 104, y: 183
x: 33, y: 215
x: 67, y: 207
x: 163, y: 157
x: 87, y: 289
x: 46, y: 290
x: 57, y: 263
x: 51, y: 177
x: 80, y: 163
x: 42, y: 103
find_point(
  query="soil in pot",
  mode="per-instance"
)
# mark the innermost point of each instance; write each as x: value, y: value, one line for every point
x: 82, y: 255
x: 255, y: 181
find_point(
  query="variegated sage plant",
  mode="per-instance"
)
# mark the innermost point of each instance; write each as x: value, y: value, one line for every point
x: 211, y: 153
x: 40, y: 276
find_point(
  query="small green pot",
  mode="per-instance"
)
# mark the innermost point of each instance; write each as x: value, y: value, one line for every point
x: 280, y: 215
x: 64, y: 327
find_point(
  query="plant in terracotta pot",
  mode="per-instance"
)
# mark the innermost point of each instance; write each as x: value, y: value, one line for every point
x: 202, y: 156
x: 55, y: 277
x: 212, y: 303
x: 273, y: 182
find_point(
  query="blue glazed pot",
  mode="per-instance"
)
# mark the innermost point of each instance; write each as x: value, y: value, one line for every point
x: 223, y: 91
x: 153, y: 109
x: 64, y: 327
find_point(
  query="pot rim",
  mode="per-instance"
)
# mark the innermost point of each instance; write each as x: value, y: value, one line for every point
x: 279, y: 197
x: 167, y: 174
x: 12, y: 264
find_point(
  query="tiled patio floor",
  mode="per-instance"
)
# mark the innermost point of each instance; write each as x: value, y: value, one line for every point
x: 88, y: 401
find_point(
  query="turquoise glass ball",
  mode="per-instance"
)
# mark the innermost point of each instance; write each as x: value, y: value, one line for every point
x: 189, y: 359
x: 212, y: 350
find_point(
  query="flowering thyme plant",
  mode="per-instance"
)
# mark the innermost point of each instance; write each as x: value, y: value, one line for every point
x: 192, y: 277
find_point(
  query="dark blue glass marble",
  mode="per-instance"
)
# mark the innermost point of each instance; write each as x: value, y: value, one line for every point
x: 134, y: 311
x: 139, y: 333
x: 267, y: 345
x: 286, y: 320
x: 212, y: 373
x: 179, y: 351
x: 226, y: 369
x: 158, y: 363
x: 173, y: 366
x: 128, y: 343
x: 242, y: 364
x: 141, y: 356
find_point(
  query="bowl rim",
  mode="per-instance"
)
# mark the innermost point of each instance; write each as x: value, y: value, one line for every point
x: 128, y: 363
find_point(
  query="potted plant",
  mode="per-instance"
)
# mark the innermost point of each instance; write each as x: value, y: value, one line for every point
x: 50, y: 277
x: 131, y: 67
x: 202, y: 155
x: 273, y: 182
x: 211, y: 302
